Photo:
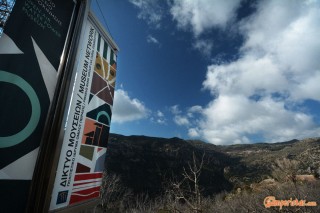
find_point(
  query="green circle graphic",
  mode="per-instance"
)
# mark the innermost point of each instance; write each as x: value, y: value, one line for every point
x: 103, y: 113
x: 17, y: 138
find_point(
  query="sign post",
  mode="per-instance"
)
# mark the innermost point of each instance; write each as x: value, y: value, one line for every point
x: 57, y: 79
x: 31, y: 48
x: 85, y: 137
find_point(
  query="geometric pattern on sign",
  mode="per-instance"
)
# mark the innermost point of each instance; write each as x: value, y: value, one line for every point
x: 95, y: 133
x: 96, y: 153
x: 86, y: 186
x: 102, y: 89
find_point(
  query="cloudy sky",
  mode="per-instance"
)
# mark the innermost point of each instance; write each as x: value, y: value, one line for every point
x: 224, y: 71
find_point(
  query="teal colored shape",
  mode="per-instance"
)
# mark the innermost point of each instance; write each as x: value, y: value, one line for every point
x: 105, y: 114
x: 17, y: 138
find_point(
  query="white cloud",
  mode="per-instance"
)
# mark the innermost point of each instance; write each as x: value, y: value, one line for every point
x: 278, y: 68
x: 261, y: 92
x: 186, y: 118
x: 150, y: 11
x: 160, y: 114
x: 161, y: 121
x: 194, y: 109
x: 248, y: 75
x: 233, y: 118
x: 194, y: 15
x: 193, y: 132
x: 204, y: 46
x: 175, y: 109
x: 290, y: 36
x: 201, y: 15
x: 181, y: 120
x: 127, y: 109
x: 308, y: 89
x: 159, y: 118
x: 152, y: 40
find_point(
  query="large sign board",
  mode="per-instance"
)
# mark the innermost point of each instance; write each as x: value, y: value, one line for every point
x: 81, y: 162
x: 31, y: 47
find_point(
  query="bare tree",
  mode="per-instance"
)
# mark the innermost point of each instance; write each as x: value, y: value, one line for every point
x: 112, y: 192
x: 285, y: 169
x: 188, y: 189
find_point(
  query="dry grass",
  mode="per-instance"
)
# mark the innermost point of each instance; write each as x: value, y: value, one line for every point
x: 235, y: 202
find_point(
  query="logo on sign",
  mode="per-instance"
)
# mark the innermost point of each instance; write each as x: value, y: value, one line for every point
x: 62, y: 197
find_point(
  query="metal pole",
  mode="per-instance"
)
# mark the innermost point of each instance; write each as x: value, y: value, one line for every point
x: 42, y: 183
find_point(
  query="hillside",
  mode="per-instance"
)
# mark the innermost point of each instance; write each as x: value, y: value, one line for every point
x: 146, y: 163
x: 252, y: 162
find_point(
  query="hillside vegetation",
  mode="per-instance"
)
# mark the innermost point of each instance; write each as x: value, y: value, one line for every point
x: 156, y: 175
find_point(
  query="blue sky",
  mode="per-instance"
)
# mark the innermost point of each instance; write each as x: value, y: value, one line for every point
x: 224, y: 72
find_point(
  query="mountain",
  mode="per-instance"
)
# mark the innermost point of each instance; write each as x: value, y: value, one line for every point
x: 146, y: 164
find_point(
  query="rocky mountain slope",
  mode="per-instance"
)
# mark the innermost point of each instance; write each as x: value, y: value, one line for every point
x: 146, y: 164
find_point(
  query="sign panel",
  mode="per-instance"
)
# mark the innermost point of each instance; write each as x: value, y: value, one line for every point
x: 31, y: 47
x: 81, y: 162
